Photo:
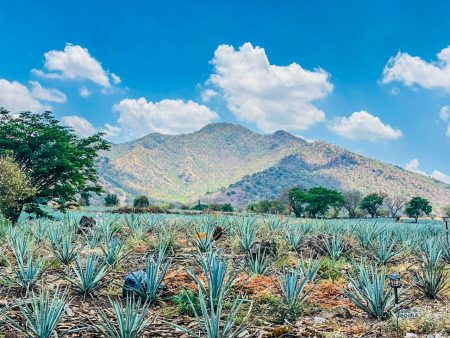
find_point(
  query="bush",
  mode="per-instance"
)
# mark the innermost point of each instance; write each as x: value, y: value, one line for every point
x: 111, y: 200
x: 141, y: 202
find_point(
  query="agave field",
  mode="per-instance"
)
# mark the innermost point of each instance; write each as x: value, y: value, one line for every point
x: 218, y: 276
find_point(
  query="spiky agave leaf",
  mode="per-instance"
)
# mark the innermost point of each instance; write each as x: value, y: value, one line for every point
x: 130, y: 321
x: 88, y: 277
x: 259, y: 262
x: 43, y: 314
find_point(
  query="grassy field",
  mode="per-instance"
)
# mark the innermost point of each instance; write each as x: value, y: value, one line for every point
x: 221, y: 276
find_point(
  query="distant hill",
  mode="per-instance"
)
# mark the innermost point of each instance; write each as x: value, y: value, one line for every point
x: 224, y: 162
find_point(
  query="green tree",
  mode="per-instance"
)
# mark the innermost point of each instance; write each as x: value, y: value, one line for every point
x: 321, y: 199
x: 111, y: 200
x: 297, y: 198
x: 141, y: 202
x: 446, y: 210
x: 268, y: 207
x: 353, y: 199
x: 418, y: 206
x: 371, y: 203
x: 85, y: 199
x: 59, y: 163
x: 15, y: 186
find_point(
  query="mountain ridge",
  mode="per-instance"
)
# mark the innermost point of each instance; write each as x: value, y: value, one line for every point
x: 226, y: 162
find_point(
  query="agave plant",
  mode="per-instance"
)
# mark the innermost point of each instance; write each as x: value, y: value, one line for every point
x: 432, y: 277
x: 296, y: 234
x: 292, y: 287
x: 368, y: 291
x: 204, y: 234
x: 333, y: 245
x: 219, y: 278
x: 42, y: 316
x: 155, y: 271
x: 384, y: 248
x: 365, y: 233
x: 276, y: 223
x: 20, y: 242
x: 248, y: 229
x: 130, y: 321
x: 113, y: 251
x: 259, y: 262
x: 137, y: 226
x: 28, y: 270
x: 310, y: 269
x: 62, y: 244
x: 88, y: 277
x: 210, y: 322
x: 445, y: 245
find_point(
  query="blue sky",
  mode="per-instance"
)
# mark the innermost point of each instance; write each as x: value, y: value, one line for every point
x: 371, y: 76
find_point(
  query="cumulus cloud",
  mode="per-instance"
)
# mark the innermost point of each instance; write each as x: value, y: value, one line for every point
x: 208, y: 94
x: 140, y: 117
x: 84, y: 128
x: 75, y: 63
x: 79, y: 124
x: 84, y: 92
x: 16, y: 97
x: 47, y: 94
x: 414, y: 166
x: 364, y: 126
x: 444, y: 114
x: 413, y: 70
x: 440, y: 176
x: 273, y: 97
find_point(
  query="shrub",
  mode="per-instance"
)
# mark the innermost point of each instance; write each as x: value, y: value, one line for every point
x: 187, y: 303
x: 111, y: 200
x: 141, y: 202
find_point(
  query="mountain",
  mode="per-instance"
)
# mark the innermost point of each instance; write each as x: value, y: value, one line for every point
x: 224, y: 162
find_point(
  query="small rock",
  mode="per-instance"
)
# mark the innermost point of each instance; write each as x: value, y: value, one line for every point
x: 319, y: 320
x: 411, y: 335
x: 243, y: 334
x: 343, y: 312
x: 68, y: 311
x: 430, y: 336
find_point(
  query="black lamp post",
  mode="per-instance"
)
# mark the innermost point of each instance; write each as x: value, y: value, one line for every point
x: 394, y: 282
x: 445, y: 219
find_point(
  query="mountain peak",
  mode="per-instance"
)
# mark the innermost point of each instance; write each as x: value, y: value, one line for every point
x: 220, y: 126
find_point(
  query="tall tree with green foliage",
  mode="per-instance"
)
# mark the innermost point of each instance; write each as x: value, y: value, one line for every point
x: 321, y: 199
x: 15, y: 186
x: 417, y: 207
x: 297, y: 198
x: 371, y: 203
x: 141, y: 202
x: 111, y: 200
x: 60, y: 164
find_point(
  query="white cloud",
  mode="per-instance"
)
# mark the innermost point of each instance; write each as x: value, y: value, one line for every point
x: 364, y: 126
x: 273, y: 97
x: 413, y: 70
x: 140, y: 117
x: 84, y: 92
x: 16, y: 97
x: 208, y: 94
x: 80, y: 125
x: 47, y: 94
x: 116, y: 79
x: 413, y: 165
x: 441, y: 176
x: 444, y: 113
x: 74, y: 63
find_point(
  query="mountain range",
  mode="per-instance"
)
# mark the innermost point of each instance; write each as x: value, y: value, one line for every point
x: 225, y: 162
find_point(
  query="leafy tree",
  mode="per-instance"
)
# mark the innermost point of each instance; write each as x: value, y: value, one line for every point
x: 268, y: 207
x: 59, y: 163
x: 141, y: 202
x: 394, y: 205
x: 321, y: 199
x: 352, y: 199
x: 418, y: 206
x: 371, y: 203
x: 111, y: 200
x: 15, y: 186
x: 297, y: 198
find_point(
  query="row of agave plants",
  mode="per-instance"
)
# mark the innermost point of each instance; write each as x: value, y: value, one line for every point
x: 378, y: 245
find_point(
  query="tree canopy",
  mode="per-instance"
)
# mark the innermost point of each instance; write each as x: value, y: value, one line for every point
x: 371, y: 203
x: 59, y: 163
x: 297, y: 198
x: 321, y: 199
x: 15, y: 186
x: 418, y: 206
